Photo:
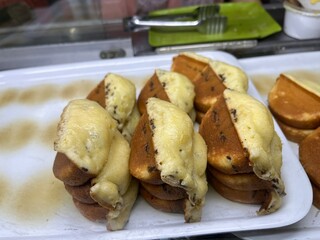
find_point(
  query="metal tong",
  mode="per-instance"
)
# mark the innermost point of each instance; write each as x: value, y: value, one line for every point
x: 205, y: 19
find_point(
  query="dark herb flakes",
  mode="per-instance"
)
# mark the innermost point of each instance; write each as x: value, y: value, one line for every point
x: 222, y: 137
x: 234, y: 115
x: 215, y: 116
x: 222, y: 77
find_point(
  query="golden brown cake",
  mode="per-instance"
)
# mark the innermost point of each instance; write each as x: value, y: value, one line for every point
x: 142, y: 163
x: 241, y: 140
x: 164, y: 191
x: 93, y: 162
x: 152, y: 88
x: 81, y: 193
x: 168, y: 86
x: 242, y: 182
x: 295, y: 103
x: 242, y: 196
x: 292, y: 133
x: 166, y: 145
x: 225, y: 151
x: 68, y: 172
x: 188, y: 65
x: 118, y: 96
x: 169, y: 206
x: 93, y: 212
x: 209, y: 77
x: 309, y: 152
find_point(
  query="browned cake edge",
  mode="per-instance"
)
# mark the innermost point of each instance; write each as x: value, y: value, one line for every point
x: 169, y: 206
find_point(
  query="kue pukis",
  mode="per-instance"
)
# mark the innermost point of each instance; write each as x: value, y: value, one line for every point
x: 93, y: 158
x: 164, y: 191
x: 259, y: 196
x: 166, y: 150
x: 81, y: 193
x: 295, y: 103
x: 210, y: 78
x: 241, y: 140
x: 309, y: 152
x: 118, y: 96
x: 242, y: 182
x: 169, y: 206
x: 292, y: 133
x: 168, y: 86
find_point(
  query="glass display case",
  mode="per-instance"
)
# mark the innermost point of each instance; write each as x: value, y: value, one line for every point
x: 44, y: 32
x: 50, y: 32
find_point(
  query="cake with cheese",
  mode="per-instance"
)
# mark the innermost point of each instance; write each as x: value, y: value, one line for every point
x: 241, y: 140
x: 167, y: 150
x: 168, y: 86
x: 210, y: 78
x: 93, y: 162
x: 117, y: 95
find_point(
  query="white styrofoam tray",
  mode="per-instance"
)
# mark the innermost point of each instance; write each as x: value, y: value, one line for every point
x: 34, y: 203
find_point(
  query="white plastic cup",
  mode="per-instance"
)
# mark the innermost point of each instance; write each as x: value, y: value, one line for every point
x: 300, y: 23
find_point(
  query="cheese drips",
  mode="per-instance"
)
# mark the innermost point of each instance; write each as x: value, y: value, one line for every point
x: 232, y: 77
x: 120, y: 97
x: 180, y: 153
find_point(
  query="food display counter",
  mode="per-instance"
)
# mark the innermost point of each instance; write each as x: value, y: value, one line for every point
x: 59, y: 61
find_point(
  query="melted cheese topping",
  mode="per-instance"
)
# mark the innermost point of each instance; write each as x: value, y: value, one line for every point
x: 84, y: 134
x: 180, y: 153
x: 114, y: 179
x: 120, y: 97
x: 131, y: 123
x: 116, y: 219
x: 232, y: 77
x: 311, y: 86
x: 273, y: 205
x: 255, y: 128
x: 179, y: 88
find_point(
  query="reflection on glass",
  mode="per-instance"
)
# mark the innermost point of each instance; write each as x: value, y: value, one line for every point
x: 36, y: 22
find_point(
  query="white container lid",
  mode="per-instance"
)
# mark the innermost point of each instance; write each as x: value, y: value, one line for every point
x: 301, y: 23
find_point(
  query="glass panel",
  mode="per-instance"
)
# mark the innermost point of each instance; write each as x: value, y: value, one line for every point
x: 38, y: 22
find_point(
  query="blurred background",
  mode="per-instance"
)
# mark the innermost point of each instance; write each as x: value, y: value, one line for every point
x: 44, y: 32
